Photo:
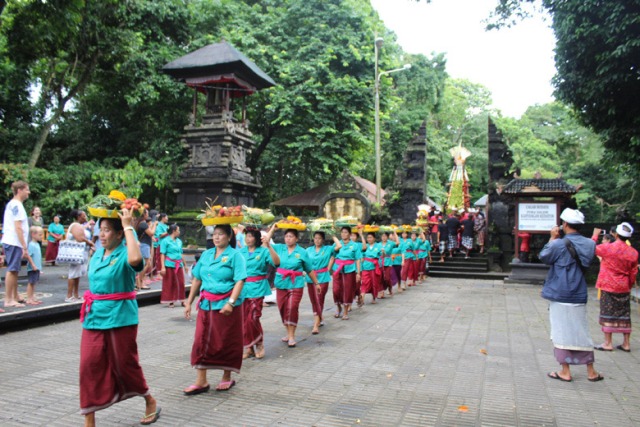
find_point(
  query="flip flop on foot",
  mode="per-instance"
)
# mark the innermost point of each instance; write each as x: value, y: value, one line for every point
x: 194, y: 389
x: 315, y: 331
x: 556, y: 376
x: 260, y: 351
x: 602, y: 348
x: 225, y: 385
x: 345, y: 317
x: 291, y: 343
x: 151, y: 418
x: 34, y: 302
x: 284, y: 339
x: 620, y: 347
x: 598, y: 378
x: 17, y: 304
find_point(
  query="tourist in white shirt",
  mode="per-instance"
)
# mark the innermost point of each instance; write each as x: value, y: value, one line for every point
x: 14, y: 240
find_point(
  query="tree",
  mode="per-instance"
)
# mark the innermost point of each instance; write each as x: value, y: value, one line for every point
x: 320, y: 53
x: 598, y: 46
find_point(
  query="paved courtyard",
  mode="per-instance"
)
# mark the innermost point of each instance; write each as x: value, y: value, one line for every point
x: 447, y: 353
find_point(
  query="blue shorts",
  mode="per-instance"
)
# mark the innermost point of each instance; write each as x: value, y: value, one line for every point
x: 145, y: 250
x: 33, y: 276
x: 13, y: 257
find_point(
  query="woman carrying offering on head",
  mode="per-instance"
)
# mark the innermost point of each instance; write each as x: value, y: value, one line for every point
x: 290, y: 282
x: 219, y: 277
x: 259, y: 255
x: 346, y: 272
x: 388, y: 275
x: 409, y: 268
x: 424, y: 256
x: 55, y: 233
x: 321, y: 258
x: 109, y: 368
x: 371, y: 268
x: 172, y: 268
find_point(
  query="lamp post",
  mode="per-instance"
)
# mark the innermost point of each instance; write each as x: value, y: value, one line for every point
x: 378, y: 74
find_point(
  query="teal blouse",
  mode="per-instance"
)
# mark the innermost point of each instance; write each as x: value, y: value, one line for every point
x: 373, y: 251
x: 219, y: 275
x: 297, y: 260
x: 258, y: 263
x: 161, y: 228
x: 55, y: 229
x: 111, y: 275
x: 171, y: 248
x: 426, y: 247
x: 388, y: 251
x: 319, y: 260
x: 351, y: 251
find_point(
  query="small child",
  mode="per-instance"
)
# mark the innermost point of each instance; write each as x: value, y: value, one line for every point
x: 34, y: 265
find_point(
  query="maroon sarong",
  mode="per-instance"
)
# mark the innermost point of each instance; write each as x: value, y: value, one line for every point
x: 409, y: 270
x: 172, y: 286
x: 51, y: 253
x: 324, y: 288
x: 109, y: 368
x: 370, y: 283
x: 289, y: 305
x: 343, y: 285
x: 218, y: 340
x: 315, y: 302
x: 396, y: 275
x: 422, y: 264
x: 253, y: 334
x: 156, y: 260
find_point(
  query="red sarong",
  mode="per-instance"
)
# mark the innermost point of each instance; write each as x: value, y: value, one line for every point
x: 370, y: 283
x: 289, y: 305
x: 343, y: 285
x: 156, y: 260
x: 409, y: 270
x: 315, y: 302
x: 51, y: 253
x: 218, y: 340
x: 324, y: 288
x: 253, y: 334
x: 172, y: 286
x: 109, y: 368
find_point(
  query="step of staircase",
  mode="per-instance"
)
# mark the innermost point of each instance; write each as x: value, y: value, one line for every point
x: 476, y: 266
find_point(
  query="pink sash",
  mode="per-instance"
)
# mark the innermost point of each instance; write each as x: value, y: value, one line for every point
x: 211, y: 297
x: 375, y: 262
x: 342, y: 262
x: 177, y: 262
x: 322, y: 270
x: 89, y: 298
x: 292, y: 274
x: 255, y: 279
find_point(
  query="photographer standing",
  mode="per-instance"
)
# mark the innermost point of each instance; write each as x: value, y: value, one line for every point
x: 566, y: 289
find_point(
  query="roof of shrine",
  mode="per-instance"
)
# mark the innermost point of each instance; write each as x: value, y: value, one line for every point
x: 218, y: 61
x: 540, y: 186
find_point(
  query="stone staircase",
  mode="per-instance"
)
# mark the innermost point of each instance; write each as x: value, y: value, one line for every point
x: 476, y: 267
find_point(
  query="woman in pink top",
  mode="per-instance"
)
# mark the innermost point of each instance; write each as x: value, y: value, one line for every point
x: 618, y: 270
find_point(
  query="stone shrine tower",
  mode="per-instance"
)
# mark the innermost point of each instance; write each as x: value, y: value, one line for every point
x: 410, y: 180
x: 220, y: 142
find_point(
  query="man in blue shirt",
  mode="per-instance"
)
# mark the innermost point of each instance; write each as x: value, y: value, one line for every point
x: 566, y: 289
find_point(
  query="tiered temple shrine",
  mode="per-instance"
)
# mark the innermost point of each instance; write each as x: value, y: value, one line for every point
x: 220, y: 142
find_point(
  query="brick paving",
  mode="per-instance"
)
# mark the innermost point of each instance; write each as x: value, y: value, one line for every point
x: 451, y: 352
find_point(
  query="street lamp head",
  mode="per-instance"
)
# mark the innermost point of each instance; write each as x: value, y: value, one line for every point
x: 379, y: 41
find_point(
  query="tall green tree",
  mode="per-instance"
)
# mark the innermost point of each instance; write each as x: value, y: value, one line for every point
x: 597, y: 51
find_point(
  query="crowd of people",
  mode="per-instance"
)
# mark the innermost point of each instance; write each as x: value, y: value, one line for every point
x: 231, y: 282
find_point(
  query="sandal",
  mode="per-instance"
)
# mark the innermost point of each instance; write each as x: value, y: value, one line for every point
x: 259, y: 351
x: 194, y: 389
x: 222, y: 385
x: 154, y: 415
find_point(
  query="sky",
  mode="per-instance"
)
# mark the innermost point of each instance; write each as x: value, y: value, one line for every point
x: 515, y: 64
